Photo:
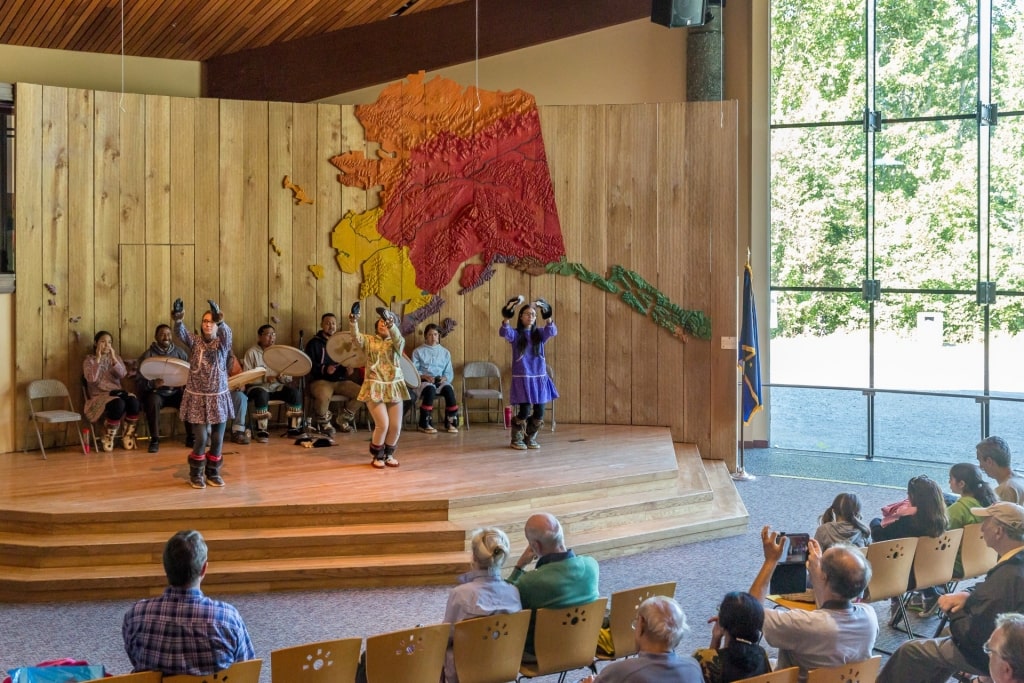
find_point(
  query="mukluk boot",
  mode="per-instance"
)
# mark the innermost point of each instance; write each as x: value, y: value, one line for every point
x: 532, y: 427
x: 323, y: 424
x: 378, y: 457
x: 389, y: 456
x: 213, y: 463
x: 128, y: 438
x: 294, y: 415
x: 427, y: 420
x: 451, y: 421
x: 196, y: 470
x: 262, y: 418
x: 107, y: 440
x: 346, y: 421
x: 518, y: 427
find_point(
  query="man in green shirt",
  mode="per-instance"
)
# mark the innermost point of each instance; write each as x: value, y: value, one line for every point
x: 560, y: 579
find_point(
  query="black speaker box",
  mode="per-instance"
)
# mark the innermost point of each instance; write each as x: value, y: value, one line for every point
x: 679, y: 13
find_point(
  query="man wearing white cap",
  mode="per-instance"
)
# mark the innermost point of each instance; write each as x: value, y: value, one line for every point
x: 972, y: 614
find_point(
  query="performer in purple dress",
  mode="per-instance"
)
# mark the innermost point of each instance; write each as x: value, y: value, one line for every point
x: 531, y: 385
x: 206, y: 402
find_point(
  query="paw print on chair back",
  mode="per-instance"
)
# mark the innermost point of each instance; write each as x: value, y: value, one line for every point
x: 498, y: 628
x: 575, y: 616
x: 897, y: 551
x: 317, y: 658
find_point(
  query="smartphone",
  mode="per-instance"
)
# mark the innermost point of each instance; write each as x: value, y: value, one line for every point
x: 796, y: 551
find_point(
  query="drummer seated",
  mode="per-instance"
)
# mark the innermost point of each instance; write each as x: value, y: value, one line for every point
x: 331, y: 380
x: 270, y: 386
x: 155, y: 394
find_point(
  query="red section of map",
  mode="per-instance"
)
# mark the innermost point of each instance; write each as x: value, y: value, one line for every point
x: 488, y: 194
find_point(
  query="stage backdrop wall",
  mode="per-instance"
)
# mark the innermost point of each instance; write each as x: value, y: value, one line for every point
x: 125, y: 202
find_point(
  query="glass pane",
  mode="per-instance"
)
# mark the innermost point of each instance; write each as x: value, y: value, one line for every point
x: 1007, y: 420
x: 926, y: 57
x: 929, y: 342
x: 1006, y: 212
x: 1008, y: 54
x: 818, y: 207
x: 827, y: 420
x: 819, y: 338
x: 1006, y: 340
x: 926, y: 205
x: 935, y: 429
x: 817, y: 61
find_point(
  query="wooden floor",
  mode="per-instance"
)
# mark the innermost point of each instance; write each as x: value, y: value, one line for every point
x: 89, y: 526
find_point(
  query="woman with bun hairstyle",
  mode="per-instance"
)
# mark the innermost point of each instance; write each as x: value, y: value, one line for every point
x: 531, y: 385
x: 481, y: 591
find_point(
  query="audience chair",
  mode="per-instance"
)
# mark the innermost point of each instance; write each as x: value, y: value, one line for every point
x: 790, y: 675
x: 143, y: 677
x: 42, y: 389
x: 565, y: 639
x: 490, y: 649
x: 325, y: 662
x: 933, y: 566
x: 483, y: 375
x: 865, y: 671
x: 239, y: 672
x: 622, y: 613
x: 977, y: 558
x: 891, y: 562
x: 414, y: 655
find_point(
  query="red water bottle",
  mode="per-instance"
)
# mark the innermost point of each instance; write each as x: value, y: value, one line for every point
x: 508, y: 417
x: 85, y: 439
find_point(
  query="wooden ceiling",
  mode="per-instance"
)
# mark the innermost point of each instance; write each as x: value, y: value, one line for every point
x: 304, y: 50
x: 194, y: 30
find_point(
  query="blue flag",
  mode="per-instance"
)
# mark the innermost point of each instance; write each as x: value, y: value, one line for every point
x: 748, y: 356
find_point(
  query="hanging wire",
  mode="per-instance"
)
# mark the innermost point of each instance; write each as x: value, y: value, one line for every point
x: 476, y: 56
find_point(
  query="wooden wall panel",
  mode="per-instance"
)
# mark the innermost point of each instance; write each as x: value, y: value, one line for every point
x: 158, y: 169
x: 125, y: 210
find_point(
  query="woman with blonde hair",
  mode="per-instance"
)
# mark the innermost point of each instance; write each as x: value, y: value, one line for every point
x: 481, y: 591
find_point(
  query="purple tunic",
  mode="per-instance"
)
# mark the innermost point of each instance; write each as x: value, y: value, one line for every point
x: 206, y: 399
x: 530, y: 380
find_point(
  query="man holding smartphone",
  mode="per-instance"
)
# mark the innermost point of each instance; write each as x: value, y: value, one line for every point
x: 839, y: 631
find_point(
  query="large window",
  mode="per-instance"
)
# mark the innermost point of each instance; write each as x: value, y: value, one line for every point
x: 897, y: 226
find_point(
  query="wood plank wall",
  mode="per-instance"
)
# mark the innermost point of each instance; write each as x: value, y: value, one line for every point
x: 125, y: 202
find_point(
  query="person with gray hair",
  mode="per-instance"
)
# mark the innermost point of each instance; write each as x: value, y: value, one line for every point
x: 560, y: 579
x: 481, y: 590
x: 660, y: 625
x: 993, y: 456
x: 972, y: 615
x: 183, y: 631
x: 1005, y: 648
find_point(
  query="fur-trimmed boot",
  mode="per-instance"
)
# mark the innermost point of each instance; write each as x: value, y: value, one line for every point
x: 262, y: 418
x: 107, y: 440
x: 323, y: 424
x: 196, y: 467
x: 427, y: 420
x: 518, y: 427
x: 294, y: 415
x: 389, y: 456
x: 532, y: 427
x: 128, y: 438
x: 213, y: 463
x: 451, y: 421
x: 378, y: 459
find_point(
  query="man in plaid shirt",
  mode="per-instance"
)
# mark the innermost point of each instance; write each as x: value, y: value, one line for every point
x: 183, y: 631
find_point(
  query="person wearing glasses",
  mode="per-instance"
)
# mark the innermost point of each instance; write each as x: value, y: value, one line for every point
x: 1005, y: 649
x: 972, y: 615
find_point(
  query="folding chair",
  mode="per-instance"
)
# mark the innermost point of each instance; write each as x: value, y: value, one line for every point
x: 323, y: 662
x: 565, y: 639
x: 933, y: 565
x: 490, y: 649
x: 413, y: 655
x: 484, y: 375
x: 891, y: 562
x: 42, y: 389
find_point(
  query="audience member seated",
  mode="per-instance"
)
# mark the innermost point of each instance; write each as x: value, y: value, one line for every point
x: 153, y: 394
x: 840, y: 630
x: 734, y: 653
x: 660, y: 625
x: 272, y: 386
x: 560, y: 579
x: 965, y: 480
x: 842, y: 523
x: 183, y: 631
x: 1005, y: 649
x: 972, y: 615
x: 994, y: 459
x: 103, y: 370
x: 433, y: 362
x: 481, y: 591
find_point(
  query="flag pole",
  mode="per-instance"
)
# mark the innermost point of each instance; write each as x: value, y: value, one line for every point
x: 748, y: 336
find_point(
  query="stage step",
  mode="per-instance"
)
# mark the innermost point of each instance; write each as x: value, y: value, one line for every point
x: 353, y: 535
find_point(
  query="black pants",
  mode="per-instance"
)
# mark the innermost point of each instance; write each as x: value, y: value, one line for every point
x: 524, y: 411
x: 153, y: 401
x: 124, y: 404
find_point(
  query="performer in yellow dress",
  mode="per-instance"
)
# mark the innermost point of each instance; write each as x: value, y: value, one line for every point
x: 384, y: 388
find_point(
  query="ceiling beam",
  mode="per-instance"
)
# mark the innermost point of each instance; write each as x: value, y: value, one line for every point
x: 308, y: 69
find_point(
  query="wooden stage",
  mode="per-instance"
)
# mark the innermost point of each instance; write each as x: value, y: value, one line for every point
x: 77, y: 527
